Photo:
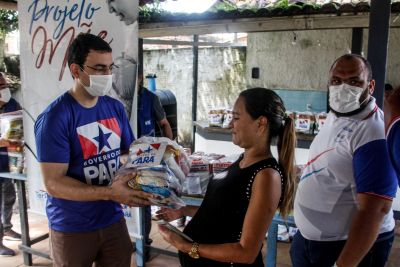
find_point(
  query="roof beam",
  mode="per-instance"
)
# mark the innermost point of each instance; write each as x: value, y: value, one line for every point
x: 295, y: 23
x: 188, y: 43
x: 8, y: 5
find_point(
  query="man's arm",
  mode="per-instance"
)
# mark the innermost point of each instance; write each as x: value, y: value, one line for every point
x: 59, y: 185
x: 159, y: 113
x: 166, y: 128
x: 364, y: 229
x: 391, y: 106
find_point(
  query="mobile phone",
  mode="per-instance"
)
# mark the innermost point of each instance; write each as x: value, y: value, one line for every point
x: 174, y: 229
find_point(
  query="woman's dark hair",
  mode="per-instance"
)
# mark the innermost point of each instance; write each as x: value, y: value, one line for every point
x: 81, y: 46
x: 267, y: 103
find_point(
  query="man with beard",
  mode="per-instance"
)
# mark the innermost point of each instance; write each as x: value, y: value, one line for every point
x: 344, y: 197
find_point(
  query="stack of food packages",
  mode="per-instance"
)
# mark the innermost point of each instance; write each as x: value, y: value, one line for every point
x: 220, y: 118
x: 161, y: 167
x: 203, y: 167
x: 308, y: 122
x: 11, y: 128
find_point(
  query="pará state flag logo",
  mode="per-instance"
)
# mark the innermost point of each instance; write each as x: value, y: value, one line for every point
x: 99, y: 137
x: 100, y: 142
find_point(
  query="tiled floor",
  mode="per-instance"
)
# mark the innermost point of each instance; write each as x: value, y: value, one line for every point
x: 38, y: 226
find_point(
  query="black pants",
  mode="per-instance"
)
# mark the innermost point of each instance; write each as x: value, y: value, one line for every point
x: 147, y: 221
x: 7, y: 200
x: 308, y: 253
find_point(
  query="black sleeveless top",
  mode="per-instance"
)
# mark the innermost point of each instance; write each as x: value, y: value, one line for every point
x: 221, y: 215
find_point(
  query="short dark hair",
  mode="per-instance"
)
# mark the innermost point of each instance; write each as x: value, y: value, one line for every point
x: 355, y: 56
x: 388, y: 87
x: 81, y: 46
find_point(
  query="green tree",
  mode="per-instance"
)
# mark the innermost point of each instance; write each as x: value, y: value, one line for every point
x: 8, y: 23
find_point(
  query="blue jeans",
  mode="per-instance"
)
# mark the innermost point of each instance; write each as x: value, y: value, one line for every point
x: 308, y: 253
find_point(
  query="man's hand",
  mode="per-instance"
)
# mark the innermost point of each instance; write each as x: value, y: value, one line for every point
x: 122, y: 193
x: 391, y: 105
x: 4, y: 143
x: 364, y: 229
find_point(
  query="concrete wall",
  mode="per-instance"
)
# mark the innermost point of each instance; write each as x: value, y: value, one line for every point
x: 221, y: 77
x: 224, y: 72
x: 300, y: 65
x: 393, y: 61
x: 305, y: 64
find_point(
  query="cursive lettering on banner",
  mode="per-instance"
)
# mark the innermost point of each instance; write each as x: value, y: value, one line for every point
x: 42, y: 11
x: 45, y: 45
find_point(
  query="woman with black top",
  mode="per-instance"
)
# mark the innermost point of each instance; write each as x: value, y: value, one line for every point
x: 229, y: 227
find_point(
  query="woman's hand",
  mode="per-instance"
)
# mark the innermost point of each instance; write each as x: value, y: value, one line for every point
x: 174, y: 239
x: 169, y: 215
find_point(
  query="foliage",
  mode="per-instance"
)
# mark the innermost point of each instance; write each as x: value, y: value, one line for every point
x: 226, y: 6
x: 150, y: 8
x: 8, y: 21
x: 282, y: 4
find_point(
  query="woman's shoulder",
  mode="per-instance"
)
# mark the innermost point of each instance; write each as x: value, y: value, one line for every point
x: 270, y: 162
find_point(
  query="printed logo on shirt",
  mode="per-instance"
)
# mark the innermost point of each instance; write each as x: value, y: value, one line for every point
x: 100, y: 142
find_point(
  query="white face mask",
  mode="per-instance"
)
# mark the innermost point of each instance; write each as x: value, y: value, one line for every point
x: 345, y: 98
x: 100, y: 85
x: 5, y: 95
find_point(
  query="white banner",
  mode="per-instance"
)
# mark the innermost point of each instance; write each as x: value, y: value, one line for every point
x: 47, y: 27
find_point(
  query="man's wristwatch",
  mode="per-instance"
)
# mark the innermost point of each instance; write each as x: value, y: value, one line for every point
x: 194, y: 251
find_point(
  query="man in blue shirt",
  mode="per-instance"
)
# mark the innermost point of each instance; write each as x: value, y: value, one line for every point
x: 80, y: 138
x: 150, y: 113
x: 7, y: 190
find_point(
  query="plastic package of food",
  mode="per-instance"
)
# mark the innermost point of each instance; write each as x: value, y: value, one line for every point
x: 228, y: 116
x: 11, y: 129
x: 197, y: 181
x: 216, y: 117
x: 11, y: 126
x: 161, y: 166
x: 304, y: 122
x: 321, y: 120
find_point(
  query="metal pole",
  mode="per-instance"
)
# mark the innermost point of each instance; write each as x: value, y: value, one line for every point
x: 140, y: 243
x: 23, y: 207
x: 194, y: 86
x: 140, y: 55
x: 357, y: 41
x: 378, y: 44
